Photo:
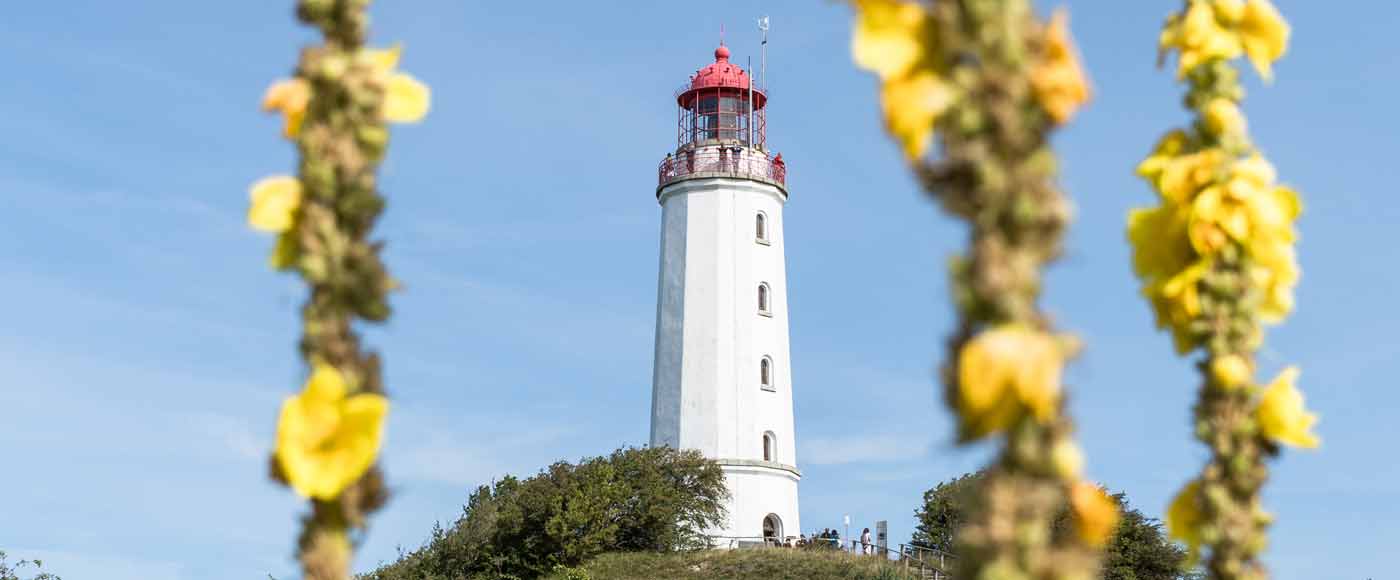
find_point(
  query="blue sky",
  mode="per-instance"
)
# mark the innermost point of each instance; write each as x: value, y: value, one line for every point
x: 145, y: 348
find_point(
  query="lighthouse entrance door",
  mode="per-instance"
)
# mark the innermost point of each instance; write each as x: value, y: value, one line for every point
x: 772, y: 529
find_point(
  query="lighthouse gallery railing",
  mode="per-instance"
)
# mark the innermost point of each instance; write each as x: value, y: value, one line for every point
x: 721, y: 161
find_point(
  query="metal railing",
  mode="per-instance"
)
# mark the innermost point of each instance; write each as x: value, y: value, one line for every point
x: 928, y: 562
x: 723, y: 161
x: 931, y: 563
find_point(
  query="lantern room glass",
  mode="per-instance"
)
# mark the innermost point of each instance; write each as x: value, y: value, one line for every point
x: 720, y: 114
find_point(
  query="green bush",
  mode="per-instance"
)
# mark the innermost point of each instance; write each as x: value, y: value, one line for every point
x: 650, y: 499
x: 1139, y: 549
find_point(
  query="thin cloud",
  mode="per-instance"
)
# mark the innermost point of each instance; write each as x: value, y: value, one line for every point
x: 862, y: 449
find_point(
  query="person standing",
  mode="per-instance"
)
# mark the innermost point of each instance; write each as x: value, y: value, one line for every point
x: 865, y: 547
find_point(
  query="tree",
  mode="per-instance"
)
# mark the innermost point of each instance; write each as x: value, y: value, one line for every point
x: 1139, y: 549
x: 941, y: 514
x: 650, y: 499
x: 8, y: 572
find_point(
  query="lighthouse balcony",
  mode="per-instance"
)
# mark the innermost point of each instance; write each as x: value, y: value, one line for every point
x: 722, y: 160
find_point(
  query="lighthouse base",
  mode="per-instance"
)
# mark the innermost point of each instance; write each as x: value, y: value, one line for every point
x: 762, y: 504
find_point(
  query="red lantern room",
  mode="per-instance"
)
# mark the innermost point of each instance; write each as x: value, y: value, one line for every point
x: 720, y: 128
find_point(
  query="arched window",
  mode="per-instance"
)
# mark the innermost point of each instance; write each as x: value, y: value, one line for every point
x: 760, y: 227
x: 765, y: 373
x: 770, y: 446
x: 763, y: 298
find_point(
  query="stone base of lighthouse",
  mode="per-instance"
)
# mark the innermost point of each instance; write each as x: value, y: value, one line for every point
x: 762, y: 506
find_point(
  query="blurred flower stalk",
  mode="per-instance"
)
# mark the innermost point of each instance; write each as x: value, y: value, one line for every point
x: 993, y: 81
x: 1217, y: 262
x: 335, y: 109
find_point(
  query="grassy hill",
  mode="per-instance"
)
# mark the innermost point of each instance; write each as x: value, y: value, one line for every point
x: 758, y: 564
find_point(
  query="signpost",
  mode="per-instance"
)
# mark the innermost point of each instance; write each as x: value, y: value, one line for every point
x: 847, y: 520
x: 882, y: 537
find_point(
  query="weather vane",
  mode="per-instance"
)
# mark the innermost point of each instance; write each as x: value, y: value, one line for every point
x: 763, y: 50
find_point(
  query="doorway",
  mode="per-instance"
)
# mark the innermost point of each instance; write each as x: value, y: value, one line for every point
x: 772, y: 530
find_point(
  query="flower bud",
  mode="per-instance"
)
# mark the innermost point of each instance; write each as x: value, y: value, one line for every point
x: 1067, y: 459
x: 1230, y: 371
x: 1223, y: 117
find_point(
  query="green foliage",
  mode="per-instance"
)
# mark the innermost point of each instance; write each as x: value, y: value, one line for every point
x: 570, y: 573
x: 754, y: 564
x: 652, y: 499
x: 1139, y: 550
x: 8, y: 572
x: 941, y: 514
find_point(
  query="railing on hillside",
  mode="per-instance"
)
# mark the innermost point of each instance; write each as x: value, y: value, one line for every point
x: 721, y: 161
x: 929, y: 563
x: 927, y: 560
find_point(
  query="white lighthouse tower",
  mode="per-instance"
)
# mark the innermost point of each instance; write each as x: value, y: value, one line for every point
x: 722, y: 383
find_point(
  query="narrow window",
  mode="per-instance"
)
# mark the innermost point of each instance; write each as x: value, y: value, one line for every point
x: 760, y: 227
x: 763, y: 298
x: 765, y: 373
x: 768, y: 446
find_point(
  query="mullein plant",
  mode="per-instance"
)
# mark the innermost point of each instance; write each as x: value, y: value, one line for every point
x: 993, y: 81
x: 335, y: 107
x: 1217, y: 262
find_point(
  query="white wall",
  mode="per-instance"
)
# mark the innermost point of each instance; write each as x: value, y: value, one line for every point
x: 710, y: 338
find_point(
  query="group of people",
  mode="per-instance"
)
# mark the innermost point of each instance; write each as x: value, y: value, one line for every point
x: 830, y: 538
x: 827, y: 538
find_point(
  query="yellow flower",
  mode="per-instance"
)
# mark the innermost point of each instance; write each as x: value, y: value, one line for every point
x: 383, y: 61
x: 1183, y: 291
x: 892, y: 39
x: 406, y: 99
x: 1163, y: 258
x: 1223, y: 117
x: 1275, y: 269
x: 1281, y: 414
x: 1067, y: 459
x: 1184, y: 517
x: 911, y: 105
x: 1185, y: 175
x: 1168, y: 148
x: 1264, y: 34
x: 1230, y: 11
x: 326, y: 440
x: 1059, y: 81
x: 1158, y: 237
x: 1005, y: 372
x: 1095, y: 513
x: 1231, y: 371
x: 1200, y: 38
x: 889, y: 36
x: 1248, y: 207
x: 290, y: 97
x: 275, y: 201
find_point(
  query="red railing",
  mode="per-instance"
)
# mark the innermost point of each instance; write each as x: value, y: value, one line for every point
x: 721, y: 161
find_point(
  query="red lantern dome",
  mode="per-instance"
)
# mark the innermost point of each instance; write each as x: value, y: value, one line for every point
x: 715, y: 105
x: 724, y: 77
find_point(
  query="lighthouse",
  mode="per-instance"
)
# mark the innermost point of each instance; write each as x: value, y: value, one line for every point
x: 722, y: 381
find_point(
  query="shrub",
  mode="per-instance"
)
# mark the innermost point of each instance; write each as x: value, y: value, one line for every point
x: 649, y: 499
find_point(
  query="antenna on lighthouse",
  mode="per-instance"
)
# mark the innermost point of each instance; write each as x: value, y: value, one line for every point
x: 763, y: 53
x: 749, y: 122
